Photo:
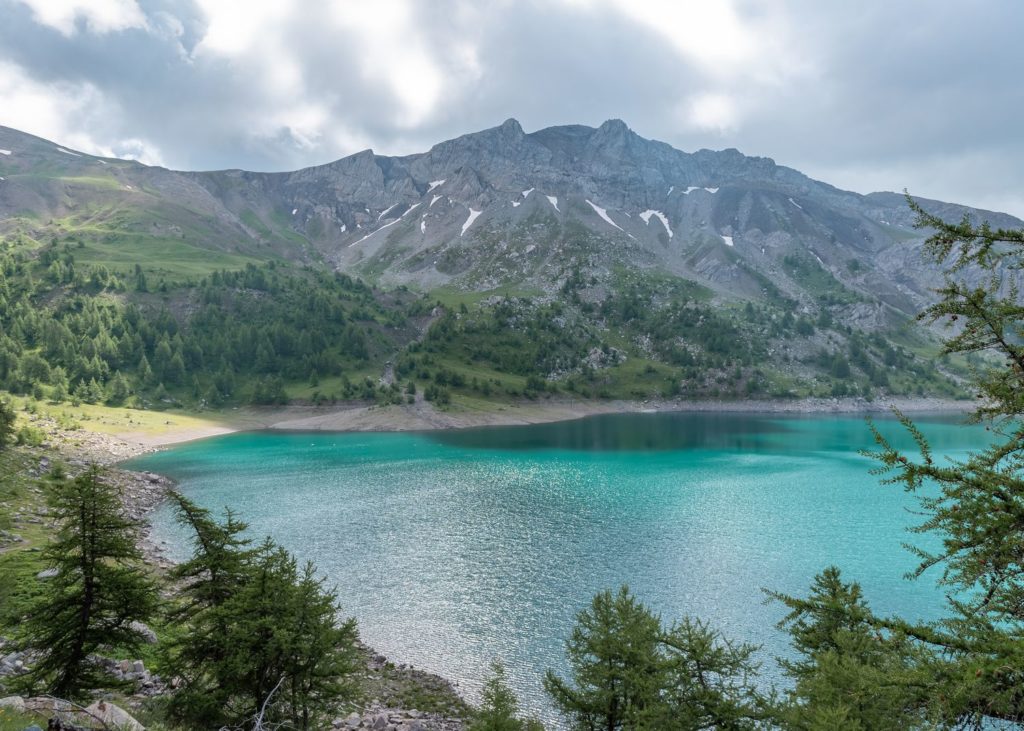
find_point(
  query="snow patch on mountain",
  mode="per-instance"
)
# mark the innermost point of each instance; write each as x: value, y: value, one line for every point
x: 727, y: 240
x: 469, y: 221
x: 434, y: 184
x: 646, y: 215
x: 389, y: 223
x: 603, y: 213
x: 386, y: 211
x: 554, y: 201
x: 5, y: 152
x: 68, y: 152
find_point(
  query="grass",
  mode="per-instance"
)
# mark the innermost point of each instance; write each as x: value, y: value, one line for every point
x: 19, y: 562
x: 156, y: 255
x: 119, y: 421
x: 13, y: 721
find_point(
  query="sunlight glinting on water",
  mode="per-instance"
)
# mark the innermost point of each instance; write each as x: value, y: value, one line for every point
x: 453, y: 549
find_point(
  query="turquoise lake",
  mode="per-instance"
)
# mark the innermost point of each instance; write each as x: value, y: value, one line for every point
x: 454, y: 548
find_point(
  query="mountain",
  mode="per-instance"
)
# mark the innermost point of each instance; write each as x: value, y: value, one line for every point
x: 572, y: 215
x: 494, y: 209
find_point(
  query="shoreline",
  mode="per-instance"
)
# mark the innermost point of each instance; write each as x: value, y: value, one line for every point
x: 422, y: 416
x: 387, y: 683
x: 144, y: 491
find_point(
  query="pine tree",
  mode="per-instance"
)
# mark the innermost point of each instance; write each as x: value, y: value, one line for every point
x: 218, y: 567
x: 100, y: 587
x: 874, y: 680
x: 711, y: 683
x: 7, y: 419
x: 322, y: 656
x: 261, y: 631
x: 118, y: 390
x: 967, y: 670
x: 499, y: 707
x: 617, y: 670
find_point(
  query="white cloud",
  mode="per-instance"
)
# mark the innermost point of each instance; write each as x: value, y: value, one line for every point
x: 712, y: 112
x: 66, y: 113
x: 235, y: 27
x: 99, y: 16
x: 393, y: 53
x: 280, y: 84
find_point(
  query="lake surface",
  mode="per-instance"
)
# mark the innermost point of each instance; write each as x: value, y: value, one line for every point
x: 454, y: 548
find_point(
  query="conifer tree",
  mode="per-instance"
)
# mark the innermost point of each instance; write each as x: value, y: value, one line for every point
x: 262, y: 632
x: 7, y: 418
x: 499, y: 707
x: 710, y: 683
x: 218, y: 567
x: 848, y: 669
x: 967, y: 670
x: 617, y: 670
x: 100, y: 587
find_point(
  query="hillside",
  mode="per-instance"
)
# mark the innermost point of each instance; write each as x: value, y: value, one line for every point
x: 572, y: 259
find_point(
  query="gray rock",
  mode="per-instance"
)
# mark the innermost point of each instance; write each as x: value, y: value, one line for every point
x: 114, y: 716
x: 138, y: 667
x: 144, y: 631
x: 13, y: 702
x: 46, y: 574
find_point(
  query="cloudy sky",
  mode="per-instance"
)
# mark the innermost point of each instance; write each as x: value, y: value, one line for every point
x: 872, y: 95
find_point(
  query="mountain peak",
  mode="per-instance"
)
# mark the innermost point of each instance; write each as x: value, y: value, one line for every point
x: 511, y: 125
x: 614, y: 125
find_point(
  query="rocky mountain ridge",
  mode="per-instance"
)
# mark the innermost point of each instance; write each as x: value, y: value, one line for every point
x: 503, y: 208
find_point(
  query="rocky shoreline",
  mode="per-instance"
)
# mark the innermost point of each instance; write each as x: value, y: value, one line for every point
x: 387, y: 683
x: 142, y: 492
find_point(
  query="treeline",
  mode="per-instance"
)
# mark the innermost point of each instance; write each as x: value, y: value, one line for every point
x: 81, y: 333
x: 231, y: 336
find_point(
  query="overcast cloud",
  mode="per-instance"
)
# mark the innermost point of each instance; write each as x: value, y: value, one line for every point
x: 873, y: 95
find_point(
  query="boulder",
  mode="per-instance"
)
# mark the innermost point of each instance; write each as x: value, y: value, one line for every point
x: 114, y: 716
x: 14, y: 702
x: 143, y: 630
x: 46, y: 574
x: 45, y: 704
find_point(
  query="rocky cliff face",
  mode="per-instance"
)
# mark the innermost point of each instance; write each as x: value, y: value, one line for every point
x: 502, y: 208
